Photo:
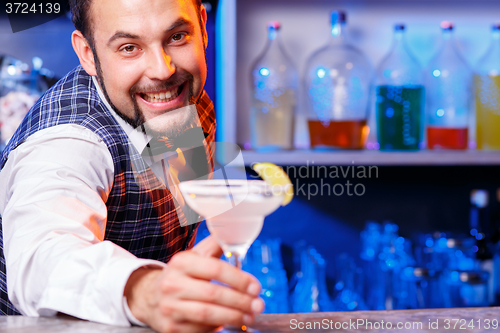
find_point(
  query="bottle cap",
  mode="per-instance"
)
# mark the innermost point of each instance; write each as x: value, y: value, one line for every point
x: 447, y: 25
x: 273, y: 25
x: 399, y: 27
x: 338, y: 16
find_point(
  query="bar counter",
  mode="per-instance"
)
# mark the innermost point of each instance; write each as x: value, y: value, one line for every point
x: 430, y: 320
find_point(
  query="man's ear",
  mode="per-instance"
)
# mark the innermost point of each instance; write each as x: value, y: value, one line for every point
x: 203, y: 15
x: 84, y: 52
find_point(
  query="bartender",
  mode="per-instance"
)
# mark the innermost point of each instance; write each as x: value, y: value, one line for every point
x: 79, y: 234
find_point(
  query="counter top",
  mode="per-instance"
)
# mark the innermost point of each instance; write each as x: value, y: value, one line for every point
x: 431, y: 320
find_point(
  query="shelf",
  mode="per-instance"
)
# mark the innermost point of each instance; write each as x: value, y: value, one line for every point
x: 375, y: 158
x: 240, y: 37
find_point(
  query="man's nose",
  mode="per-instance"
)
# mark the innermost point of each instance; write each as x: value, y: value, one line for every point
x: 161, y: 66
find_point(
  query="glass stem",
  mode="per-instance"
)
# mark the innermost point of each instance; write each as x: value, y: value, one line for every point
x: 235, y: 259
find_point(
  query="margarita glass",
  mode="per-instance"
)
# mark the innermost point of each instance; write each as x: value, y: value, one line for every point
x: 234, y: 210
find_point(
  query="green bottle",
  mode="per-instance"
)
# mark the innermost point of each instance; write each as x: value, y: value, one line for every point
x: 400, y: 98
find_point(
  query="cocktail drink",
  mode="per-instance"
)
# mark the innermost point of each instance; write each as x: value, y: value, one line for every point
x: 234, y: 210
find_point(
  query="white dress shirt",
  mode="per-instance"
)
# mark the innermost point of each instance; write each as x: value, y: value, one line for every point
x: 53, y: 190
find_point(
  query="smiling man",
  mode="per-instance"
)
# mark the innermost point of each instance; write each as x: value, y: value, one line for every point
x: 80, y: 234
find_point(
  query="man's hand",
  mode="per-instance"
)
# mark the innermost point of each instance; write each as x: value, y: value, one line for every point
x: 180, y: 297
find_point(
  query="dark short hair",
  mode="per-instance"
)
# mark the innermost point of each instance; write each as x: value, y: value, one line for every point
x: 80, y: 14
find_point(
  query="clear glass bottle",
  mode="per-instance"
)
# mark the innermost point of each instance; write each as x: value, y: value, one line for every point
x: 448, y: 86
x: 487, y: 91
x: 400, y: 98
x: 274, y: 91
x: 466, y: 289
x: 370, y: 249
x: 349, y: 285
x: 310, y: 293
x: 338, y: 80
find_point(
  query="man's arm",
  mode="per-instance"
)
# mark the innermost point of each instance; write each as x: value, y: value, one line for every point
x: 53, y: 190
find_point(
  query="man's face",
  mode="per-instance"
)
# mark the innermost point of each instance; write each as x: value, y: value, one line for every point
x: 150, y: 59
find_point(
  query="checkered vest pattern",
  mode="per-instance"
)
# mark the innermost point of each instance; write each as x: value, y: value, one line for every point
x: 142, y: 220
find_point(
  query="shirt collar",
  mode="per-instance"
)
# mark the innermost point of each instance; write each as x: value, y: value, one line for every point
x: 136, y: 137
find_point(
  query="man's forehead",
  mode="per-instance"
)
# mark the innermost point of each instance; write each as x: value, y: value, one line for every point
x: 109, y: 13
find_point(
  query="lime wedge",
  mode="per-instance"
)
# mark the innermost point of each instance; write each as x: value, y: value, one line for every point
x: 275, y: 176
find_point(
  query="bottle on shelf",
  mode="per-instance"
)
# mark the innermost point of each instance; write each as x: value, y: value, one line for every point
x: 400, y: 98
x: 487, y: 91
x: 448, y: 86
x: 274, y: 90
x: 337, y: 81
x: 480, y: 226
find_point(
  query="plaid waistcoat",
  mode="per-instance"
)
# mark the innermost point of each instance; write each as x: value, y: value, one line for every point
x: 142, y: 220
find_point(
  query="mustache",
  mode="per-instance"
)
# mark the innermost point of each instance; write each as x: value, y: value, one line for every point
x: 172, y: 82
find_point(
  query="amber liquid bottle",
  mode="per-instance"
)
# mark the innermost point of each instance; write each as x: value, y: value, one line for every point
x: 337, y: 81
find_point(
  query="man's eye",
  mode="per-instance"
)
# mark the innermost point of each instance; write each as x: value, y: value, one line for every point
x: 129, y: 48
x: 177, y: 37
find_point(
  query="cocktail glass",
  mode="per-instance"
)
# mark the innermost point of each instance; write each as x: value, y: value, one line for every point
x: 234, y: 210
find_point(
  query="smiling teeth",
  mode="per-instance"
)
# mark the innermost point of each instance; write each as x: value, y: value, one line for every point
x: 161, y: 97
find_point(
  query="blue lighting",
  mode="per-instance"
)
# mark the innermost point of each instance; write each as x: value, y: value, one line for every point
x: 387, y: 73
x: 479, y: 236
x: 436, y: 73
x: 473, y: 232
x: 440, y: 113
x: 429, y: 242
x: 352, y: 305
x: 389, y: 112
x: 321, y: 73
x: 408, y: 271
x: 442, y: 243
x: 335, y: 30
x: 475, y: 248
x: 264, y: 71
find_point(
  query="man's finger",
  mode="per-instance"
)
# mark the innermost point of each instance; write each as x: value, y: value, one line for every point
x: 214, y: 269
x: 208, y: 314
x: 199, y: 290
x: 208, y: 247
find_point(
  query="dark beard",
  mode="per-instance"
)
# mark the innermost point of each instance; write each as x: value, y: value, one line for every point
x: 138, y: 121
